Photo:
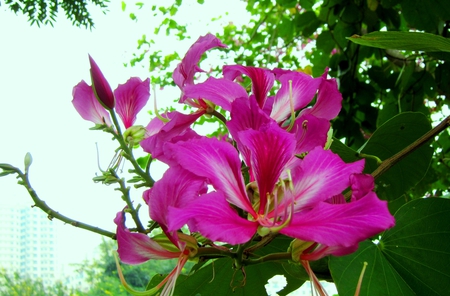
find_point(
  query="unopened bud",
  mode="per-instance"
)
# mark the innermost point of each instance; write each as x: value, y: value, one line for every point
x: 28, y: 160
x: 101, y: 87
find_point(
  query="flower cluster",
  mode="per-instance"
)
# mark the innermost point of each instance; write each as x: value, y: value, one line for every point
x: 272, y: 175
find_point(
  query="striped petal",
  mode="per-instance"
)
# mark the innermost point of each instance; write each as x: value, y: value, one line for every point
x: 131, y: 97
x: 135, y: 248
x: 218, y: 161
x: 87, y: 105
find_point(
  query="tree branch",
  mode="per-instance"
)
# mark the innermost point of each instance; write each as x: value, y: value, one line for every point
x: 391, y: 161
x: 52, y: 213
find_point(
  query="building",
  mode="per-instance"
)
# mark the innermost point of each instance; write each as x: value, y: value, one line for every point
x: 28, y: 243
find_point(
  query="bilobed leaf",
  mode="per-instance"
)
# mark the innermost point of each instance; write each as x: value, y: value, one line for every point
x: 404, y: 41
x: 418, y: 246
x: 410, y: 259
x: 380, y: 278
x: 390, y: 138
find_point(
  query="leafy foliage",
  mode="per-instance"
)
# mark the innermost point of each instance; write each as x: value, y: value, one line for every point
x: 45, y: 11
x: 20, y: 285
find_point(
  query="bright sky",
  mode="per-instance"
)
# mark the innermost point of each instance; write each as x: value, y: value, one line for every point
x: 38, y: 69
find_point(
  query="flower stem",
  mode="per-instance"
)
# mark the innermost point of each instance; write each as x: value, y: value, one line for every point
x: 270, y: 257
x: 128, y: 153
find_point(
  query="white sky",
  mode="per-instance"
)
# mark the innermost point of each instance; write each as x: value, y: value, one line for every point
x: 38, y: 69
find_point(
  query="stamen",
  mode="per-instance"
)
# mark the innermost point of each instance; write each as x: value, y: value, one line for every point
x: 291, y: 104
x: 155, y: 107
x: 358, y: 287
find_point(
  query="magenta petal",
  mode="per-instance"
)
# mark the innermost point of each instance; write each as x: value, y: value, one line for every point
x: 221, y: 92
x: 213, y: 217
x: 322, y: 175
x: 304, y: 88
x: 329, y: 100
x: 245, y: 114
x: 160, y: 133
x: 362, y: 184
x: 262, y: 80
x: 219, y: 162
x: 135, y: 248
x: 310, y: 132
x: 270, y: 150
x: 87, y: 105
x: 101, y: 86
x: 185, y: 71
x: 131, y: 97
x: 341, y: 224
x: 176, y: 188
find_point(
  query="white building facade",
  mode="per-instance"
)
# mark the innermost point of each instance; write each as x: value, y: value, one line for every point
x: 28, y: 243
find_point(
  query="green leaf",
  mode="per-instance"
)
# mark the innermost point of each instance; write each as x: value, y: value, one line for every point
x: 410, y: 259
x: 143, y: 161
x: 418, y: 246
x: 403, y: 41
x: 390, y: 138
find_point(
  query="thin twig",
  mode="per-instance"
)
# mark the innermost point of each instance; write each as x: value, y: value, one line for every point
x: 52, y: 213
x: 391, y: 161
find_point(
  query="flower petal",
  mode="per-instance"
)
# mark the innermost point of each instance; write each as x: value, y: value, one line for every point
x: 321, y: 175
x: 185, y: 71
x: 341, y: 224
x: 270, y: 149
x: 219, y: 162
x: 304, y: 88
x: 135, y: 248
x: 101, y: 86
x: 87, y: 105
x: 221, y: 92
x: 160, y: 133
x: 310, y: 132
x: 329, y: 100
x: 262, y: 80
x: 213, y: 217
x: 131, y: 97
x: 176, y: 189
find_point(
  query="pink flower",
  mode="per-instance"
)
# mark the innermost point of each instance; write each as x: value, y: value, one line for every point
x: 174, y: 190
x: 129, y: 98
x: 286, y: 194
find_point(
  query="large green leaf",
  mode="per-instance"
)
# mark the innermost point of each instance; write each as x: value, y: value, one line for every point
x: 404, y: 41
x: 410, y: 259
x: 390, y: 138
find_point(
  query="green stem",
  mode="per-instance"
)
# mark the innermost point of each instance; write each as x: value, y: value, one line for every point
x: 270, y: 257
x: 126, y: 197
x: 211, y: 252
x: 128, y: 153
x: 53, y: 214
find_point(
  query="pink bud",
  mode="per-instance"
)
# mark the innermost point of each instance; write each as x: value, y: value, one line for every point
x: 101, y: 87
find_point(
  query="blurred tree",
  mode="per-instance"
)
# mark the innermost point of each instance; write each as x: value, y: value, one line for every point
x: 102, y: 274
x: 45, y: 11
x: 20, y: 285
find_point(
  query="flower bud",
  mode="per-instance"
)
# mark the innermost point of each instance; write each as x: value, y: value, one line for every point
x: 101, y: 87
x: 27, y: 161
x: 134, y: 134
